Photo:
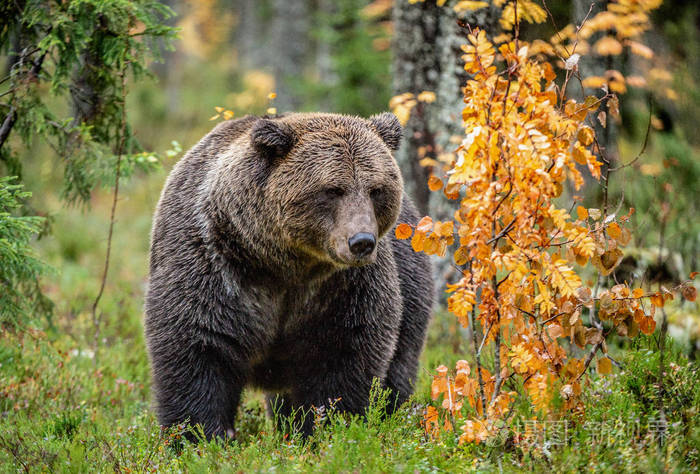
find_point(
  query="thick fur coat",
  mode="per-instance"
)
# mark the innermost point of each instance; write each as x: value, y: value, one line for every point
x: 274, y: 264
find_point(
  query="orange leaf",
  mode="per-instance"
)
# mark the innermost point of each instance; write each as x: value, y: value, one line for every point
x: 431, y: 245
x: 424, y: 225
x: 638, y: 293
x: 418, y: 241
x: 461, y: 255
x: 403, y: 231
x: 689, y: 292
x: 657, y: 300
x: 693, y: 275
x: 604, y: 366
x: 647, y: 325
x: 614, y: 230
x: 582, y: 213
x: 444, y: 229
x: 434, y: 183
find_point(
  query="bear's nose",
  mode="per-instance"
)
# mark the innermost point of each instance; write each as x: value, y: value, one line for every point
x: 362, y: 244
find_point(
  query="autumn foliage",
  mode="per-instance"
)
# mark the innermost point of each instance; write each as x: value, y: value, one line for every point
x: 518, y: 238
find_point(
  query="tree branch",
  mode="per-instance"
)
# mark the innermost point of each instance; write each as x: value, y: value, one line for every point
x: 11, y: 117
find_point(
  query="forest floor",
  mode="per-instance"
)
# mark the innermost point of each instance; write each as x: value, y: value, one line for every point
x: 65, y: 407
x: 64, y: 411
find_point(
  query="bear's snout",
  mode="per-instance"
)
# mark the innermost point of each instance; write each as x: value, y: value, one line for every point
x: 355, y: 233
x: 362, y: 244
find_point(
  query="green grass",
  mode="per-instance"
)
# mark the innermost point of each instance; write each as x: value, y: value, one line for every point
x: 64, y: 412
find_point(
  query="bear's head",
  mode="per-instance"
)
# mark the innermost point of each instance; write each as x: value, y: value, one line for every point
x: 332, y: 182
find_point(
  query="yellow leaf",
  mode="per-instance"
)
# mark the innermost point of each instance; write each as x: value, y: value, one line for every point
x: 580, y: 154
x: 461, y: 256
x: 219, y: 109
x: 272, y: 111
x: 403, y: 231
x: 657, y: 300
x: 594, y: 82
x: 214, y: 117
x: 429, y: 162
x: 604, y: 366
x: 586, y: 136
x: 431, y: 245
x: 608, y: 46
x: 468, y: 6
x: 271, y: 95
x: 445, y: 229
x: 426, y: 96
x: 399, y: 99
x: 639, y: 49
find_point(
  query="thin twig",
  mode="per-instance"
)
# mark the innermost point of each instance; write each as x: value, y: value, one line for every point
x: 477, y: 356
x: 115, y: 196
x: 483, y: 340
x: 501, y: 234
x: 644, y: 145
x: 589, y: 359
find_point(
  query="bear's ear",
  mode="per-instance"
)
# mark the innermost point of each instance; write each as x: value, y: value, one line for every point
x: 389, y: 129
x: 272, y: 138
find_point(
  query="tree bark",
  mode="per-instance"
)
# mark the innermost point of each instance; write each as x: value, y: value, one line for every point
x: 291, y: 42
x: 251, y: 37
x: 427, y: 57
x: 592, y: 65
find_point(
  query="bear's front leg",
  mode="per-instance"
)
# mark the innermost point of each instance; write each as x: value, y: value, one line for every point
x: 196, y: 383
x: 341, y: 365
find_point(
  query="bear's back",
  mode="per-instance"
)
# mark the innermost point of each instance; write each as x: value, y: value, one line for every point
x: 176, y: 218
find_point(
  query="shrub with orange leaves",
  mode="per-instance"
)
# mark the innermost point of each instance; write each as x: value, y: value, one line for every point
x: 519, y: 253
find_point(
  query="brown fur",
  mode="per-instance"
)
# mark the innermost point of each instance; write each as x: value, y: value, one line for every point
x: 253, y: 280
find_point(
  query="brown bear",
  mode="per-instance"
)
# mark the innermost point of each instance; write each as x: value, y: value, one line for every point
x: 274, y: 264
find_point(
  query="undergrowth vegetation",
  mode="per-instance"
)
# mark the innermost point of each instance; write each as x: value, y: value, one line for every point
x: 63, y: 412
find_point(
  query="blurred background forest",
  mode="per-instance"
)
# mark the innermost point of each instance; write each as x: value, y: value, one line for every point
x: 63, y: 136
x: 347, y: 56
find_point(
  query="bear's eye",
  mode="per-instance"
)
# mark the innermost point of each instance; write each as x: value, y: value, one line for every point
x: 334, y: 192
x: 376, y: 193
